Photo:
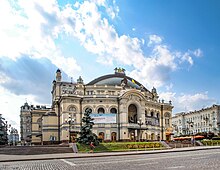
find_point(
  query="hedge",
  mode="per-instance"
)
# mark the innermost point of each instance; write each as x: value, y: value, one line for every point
x: 210, y: 142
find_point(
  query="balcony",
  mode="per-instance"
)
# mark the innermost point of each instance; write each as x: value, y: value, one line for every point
x: 101, y: 125
x: 114, y: 125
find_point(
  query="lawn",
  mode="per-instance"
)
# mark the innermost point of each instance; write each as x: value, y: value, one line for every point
x: 121, y: 146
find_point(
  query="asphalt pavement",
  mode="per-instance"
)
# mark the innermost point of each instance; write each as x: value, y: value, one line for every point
x: 10, y: 158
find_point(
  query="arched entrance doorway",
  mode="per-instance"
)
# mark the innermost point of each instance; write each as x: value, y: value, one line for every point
x: 113, y: 136
x: 132, y: 113
x: 101, y: 136
x: 152, y: 136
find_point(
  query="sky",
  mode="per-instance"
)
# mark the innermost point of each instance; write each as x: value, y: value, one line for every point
x: 170, y: 45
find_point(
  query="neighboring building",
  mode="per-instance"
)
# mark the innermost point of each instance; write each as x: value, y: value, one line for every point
x: 25, y: 123
x: 191, y: 123
x: 13, y: 137
x: 34, y: 123
x: 122, y: 108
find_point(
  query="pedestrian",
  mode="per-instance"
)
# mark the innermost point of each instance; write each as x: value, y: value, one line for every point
x: 92, y: 147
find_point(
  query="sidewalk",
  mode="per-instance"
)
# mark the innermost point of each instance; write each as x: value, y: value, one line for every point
x: 10, y: 158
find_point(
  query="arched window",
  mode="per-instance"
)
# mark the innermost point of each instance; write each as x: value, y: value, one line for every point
x: 167, y: 119
x: 113, y: 136
x: 167, y: 115
x: 152, y: 136
x: 113, y: 110
x: 132, y: 114
x: 101, y: 110
x: 101, y: 135
x: 145, y: 113
x: 147, y: 136
x: 72, y: 109
x: 88, y: 109
x: 158, y: 115
x: 158, y: 137
x: 152, y: 114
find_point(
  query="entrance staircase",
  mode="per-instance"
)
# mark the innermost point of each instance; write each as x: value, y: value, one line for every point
x: 165, y: 144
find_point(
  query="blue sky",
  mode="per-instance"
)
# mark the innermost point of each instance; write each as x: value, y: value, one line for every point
x: 171, y: 45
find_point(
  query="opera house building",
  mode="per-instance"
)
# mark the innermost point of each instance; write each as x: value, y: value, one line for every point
x: 122, y: 109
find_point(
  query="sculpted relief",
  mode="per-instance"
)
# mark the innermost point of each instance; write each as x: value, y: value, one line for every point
x: 134, y: 97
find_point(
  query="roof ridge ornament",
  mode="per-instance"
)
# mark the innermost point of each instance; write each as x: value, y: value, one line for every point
x: 119, y: 70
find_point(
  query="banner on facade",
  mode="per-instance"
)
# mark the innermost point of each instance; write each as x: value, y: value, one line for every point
x: 103, y: 118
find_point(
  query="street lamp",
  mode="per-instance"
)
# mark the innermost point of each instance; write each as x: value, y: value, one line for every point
x: 140, y: 123
x: 191, y: 124
x: 70, y: 120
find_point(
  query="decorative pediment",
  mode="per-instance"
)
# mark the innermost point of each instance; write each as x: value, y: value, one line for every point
x: 133, y: 95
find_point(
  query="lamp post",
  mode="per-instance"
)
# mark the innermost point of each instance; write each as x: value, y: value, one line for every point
x: 191, y: 126
x: 70, y: 120
x: 140, y: 123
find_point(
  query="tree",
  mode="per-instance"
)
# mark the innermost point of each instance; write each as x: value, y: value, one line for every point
x: 86, y: 135
x: 3, y: 131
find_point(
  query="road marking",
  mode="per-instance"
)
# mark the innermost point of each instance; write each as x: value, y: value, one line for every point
x: 175, y: 167
x: 68, y: 162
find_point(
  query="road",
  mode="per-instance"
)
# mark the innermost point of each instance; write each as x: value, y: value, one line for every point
x: 191, y: 160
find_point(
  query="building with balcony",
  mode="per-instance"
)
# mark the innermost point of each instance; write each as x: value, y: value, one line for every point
x: 199, y: 121
x: 122, y: 108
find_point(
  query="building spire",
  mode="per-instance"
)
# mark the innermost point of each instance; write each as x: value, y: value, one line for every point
x: 58, y: 75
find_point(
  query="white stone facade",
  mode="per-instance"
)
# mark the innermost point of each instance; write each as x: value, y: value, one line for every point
x: 113, y: 94
x: 204, y: 120
x: 129, y: 111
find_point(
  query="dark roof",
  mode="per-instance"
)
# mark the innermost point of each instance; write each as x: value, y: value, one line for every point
x: 116, y: 79
x: 58, y: 70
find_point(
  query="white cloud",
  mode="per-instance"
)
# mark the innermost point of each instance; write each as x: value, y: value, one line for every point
x: 99, y: 37
x: 169, y: 87
x: 30, y: 28
x: 188, y: 102
x: 154, y: 39
x: 197, y: 52
x: 188, y: 58
x: 10, y: 106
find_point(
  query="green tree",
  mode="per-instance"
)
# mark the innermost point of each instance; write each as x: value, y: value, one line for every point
x: 3, y: 131
x: 86, y: 135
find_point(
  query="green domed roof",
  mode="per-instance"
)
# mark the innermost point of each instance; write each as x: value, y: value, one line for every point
x: 117, y: 79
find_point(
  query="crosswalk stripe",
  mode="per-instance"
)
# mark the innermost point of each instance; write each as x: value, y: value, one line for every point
x: 68, y: 162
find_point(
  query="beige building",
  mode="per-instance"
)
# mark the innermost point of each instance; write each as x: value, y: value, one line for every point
x: 191, y: 123
x: 122, y: 108
x: 35, y: 126
x: 25, y: 123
